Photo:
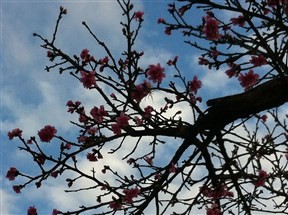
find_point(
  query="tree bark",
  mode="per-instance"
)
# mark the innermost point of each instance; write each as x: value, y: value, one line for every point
x: 225, y: 110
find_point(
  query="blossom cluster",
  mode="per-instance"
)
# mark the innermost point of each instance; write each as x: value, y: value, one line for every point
x: 130, y: 194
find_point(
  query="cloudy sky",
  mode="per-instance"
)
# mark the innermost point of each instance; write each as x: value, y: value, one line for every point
x: 32, y: 98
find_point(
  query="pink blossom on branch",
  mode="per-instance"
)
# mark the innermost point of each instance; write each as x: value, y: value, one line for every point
x: 211, y: 28
x: 161, y: 20
x: 88, y: 79
x: 140, y: 91
x: 258, y: 60
x: 240, y: 21
x: 262, y: 177
x: 12, y: 173
x: 138, y: 16
x: 155, y: 73
x: 130, y: 194
x: 116, y: 129
x: 122, y: 120
x: 14, y: 133
x: 116, y: 205
x: 248, y: 80
x: 17, y: 188
x: 47, y: 133
x: 32, y: 211
x: 98, y: 113
x: 195, y: 85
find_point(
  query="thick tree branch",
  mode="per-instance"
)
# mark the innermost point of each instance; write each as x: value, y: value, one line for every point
x: 225, y: 110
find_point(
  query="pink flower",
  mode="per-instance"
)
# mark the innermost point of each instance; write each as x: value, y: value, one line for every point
x: 258, y: 60
x: 14, y: 133
x: 216, y: 193
x: 55, y: 212
x: 264, y: 117
x: 155, y: 73
x: 172, y: 168
x: 213, y: 210
x: 72, y: 106
x: 211, y: 28
x: 17, y: 188
x: 261, y: 178
x: 92, y: 131
x: 47, y: 133
x: 148, y: 110
x: 85, y: 56
x: 98, y: 113
x: 122, y: 120
x: 130, y: 194
x: 116, y: 205
x: 215, y: 53
x: 168, y: 30
x: 248, y: 80
x: 230, y: 72
x: 238, y: 21
x: 12, y: 173
x: 32, y: 211
x: 138, y: 15
x: 88, y: 79
x: 40, y: 159
x: 91, y: 157
x: 140, y: 91
x: 195, y: 85
x: 203, y: 61
x: 161, y: 20
x: 104, y: 60
x: 54, y: 174
x: 51, y: 55
x: 116, y: 128
x: 173, y: 62
x: 138, y: 120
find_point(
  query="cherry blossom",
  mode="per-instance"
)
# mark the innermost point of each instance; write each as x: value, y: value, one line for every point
x: 130, y: 194
x: 161, y: 20
x: 115, y: 205
x: 17, y: 188
x: 240, y: 21
x: 203, y: 61
x: 211, y: 28
x: 91, y: 157
x: 12, y: 173
x: 258, y: 60
x: 14, y: 133
x: 55, y: 212
x: 173, y: 62
x: 168, y: 30
x: 32, y: 211
x: 172, y: 168
x: 155, y: 73
x: 85, y: 56
x: 248, y: 80
x: 195, y: 85
x: 98, y: 113
x: 261, y: 178
x: 213, y: 210
x: 138, y: 15
x: 140, y: 91
x: 88, y: 79
x: 47, y: 133
x: 122, y: 120
x: 116, y: 128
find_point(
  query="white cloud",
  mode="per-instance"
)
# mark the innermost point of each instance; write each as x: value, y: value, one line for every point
x: 7, y: 202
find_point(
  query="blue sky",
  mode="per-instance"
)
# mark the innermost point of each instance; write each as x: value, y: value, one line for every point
x: 32, y: 98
